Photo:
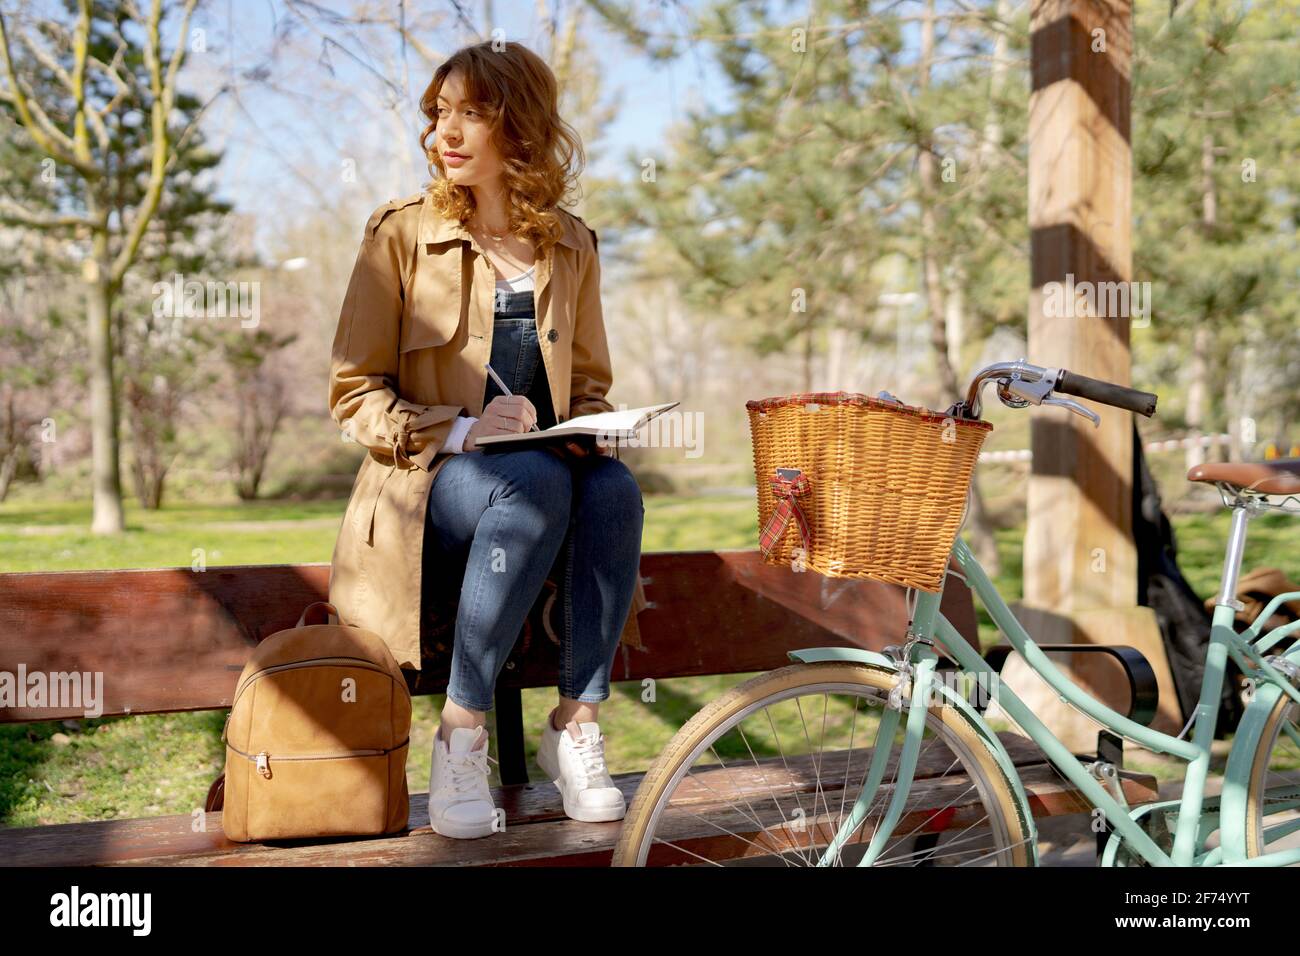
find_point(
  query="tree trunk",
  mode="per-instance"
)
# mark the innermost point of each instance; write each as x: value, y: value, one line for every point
x: 955, y: 313
x: 997, y: 80
x: 930, y: 230
x: 8, y: 468
x: 106, y: 481
x: 981, y: 526
x: 1198, y: 392
x: 1197, y: 395
x: 10, y: 447
x: 1238, y: 402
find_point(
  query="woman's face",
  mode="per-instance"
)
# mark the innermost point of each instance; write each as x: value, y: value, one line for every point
x: 462, y: 130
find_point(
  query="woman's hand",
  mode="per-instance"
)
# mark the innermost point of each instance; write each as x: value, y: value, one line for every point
x: 504, y: 415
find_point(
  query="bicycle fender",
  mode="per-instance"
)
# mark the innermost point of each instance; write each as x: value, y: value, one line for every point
x: 857, y: 655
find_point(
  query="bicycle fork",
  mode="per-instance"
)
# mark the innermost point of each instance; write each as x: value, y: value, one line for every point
x: 919, y: 676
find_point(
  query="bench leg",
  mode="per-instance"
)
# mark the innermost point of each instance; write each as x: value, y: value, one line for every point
x: 510, y: 736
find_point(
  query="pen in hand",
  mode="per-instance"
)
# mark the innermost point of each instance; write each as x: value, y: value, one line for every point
x: 505, y: 391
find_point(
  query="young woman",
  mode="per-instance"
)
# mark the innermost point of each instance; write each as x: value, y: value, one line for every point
x: 485, y: 267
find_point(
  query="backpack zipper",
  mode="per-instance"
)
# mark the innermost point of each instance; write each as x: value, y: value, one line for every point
x: 358, y: 662
x: 263, y: 758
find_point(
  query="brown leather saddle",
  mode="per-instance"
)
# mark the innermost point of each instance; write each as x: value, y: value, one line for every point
x: 1278, y: 477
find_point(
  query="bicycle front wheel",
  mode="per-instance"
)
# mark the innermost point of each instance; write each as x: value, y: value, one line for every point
x: 778, y: 772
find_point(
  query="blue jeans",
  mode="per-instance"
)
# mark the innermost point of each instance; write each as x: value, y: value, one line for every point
x: 500, y: 524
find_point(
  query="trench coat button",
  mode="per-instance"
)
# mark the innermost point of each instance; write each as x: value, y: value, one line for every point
x: 553, y: 335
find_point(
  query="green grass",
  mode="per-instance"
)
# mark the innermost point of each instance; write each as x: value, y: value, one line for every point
x: 56, y: 536
x: 1273, y: 541
x: 60, y: 772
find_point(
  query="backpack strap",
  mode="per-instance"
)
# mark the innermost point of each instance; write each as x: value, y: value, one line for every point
x: 333, y: 615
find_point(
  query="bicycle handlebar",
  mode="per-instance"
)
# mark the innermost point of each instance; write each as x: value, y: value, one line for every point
x: 1022, y: 383
x: 1107, y: 393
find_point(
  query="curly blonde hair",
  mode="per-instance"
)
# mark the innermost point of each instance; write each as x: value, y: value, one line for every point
x: 541, y: 154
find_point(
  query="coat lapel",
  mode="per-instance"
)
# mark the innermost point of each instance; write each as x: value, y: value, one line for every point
x: 476, y: 303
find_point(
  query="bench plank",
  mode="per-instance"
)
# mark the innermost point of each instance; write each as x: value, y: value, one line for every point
x: 176, y: 640
x: 538, y: 831
x: 561, y: 842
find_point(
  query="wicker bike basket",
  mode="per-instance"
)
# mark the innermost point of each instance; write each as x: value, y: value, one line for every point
x: 878, y: 489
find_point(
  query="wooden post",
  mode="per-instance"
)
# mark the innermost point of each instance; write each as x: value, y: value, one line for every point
x: 1080, y: 564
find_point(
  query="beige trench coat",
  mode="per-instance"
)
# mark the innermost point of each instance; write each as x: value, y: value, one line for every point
x: 414, y: 335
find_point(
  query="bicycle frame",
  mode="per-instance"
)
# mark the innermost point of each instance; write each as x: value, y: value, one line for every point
x: 929, y: 624
x: 1021, y: 384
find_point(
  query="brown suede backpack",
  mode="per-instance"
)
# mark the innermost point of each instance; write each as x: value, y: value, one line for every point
x: 317, y: 737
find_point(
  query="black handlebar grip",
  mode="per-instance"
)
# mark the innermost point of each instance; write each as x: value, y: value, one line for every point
x: 1107, y: 393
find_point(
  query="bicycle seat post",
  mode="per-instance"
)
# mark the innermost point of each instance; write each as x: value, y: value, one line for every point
x: 1242, y: 508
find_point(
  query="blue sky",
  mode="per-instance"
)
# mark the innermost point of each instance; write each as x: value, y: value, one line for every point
x: 285, y: 129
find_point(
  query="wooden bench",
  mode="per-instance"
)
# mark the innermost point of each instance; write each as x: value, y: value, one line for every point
x: 175, y: 640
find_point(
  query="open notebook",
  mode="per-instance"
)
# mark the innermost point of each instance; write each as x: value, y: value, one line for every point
x: 609, y: 427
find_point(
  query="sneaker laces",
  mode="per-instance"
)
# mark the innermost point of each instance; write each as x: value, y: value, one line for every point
x: 468, y: 772
x: 590, y: 750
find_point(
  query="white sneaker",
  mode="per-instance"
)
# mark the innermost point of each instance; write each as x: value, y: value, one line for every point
x: 574, y: 760
x: 460, y: 803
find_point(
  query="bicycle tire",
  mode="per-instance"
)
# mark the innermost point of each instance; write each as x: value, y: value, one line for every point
x: 955, y: 727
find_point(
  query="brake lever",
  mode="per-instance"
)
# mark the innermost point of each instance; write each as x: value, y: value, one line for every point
x: 1015, y: 392
x: 1075, y: 407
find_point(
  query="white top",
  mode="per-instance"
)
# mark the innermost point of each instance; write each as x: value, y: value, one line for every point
x: 460, y: 428
x: 520, y: 283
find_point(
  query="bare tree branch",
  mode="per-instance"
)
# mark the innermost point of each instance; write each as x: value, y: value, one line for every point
x: 43, y: 131
x: 163, y: 90
x: 12, y: 212
x: 430, y: 56
x: 44, y: 57
x: 190, y: 127
x: 111, y: 70
x: 80, y: 49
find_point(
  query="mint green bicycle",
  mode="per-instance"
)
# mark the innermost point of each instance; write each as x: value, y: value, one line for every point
x: 852, y: 757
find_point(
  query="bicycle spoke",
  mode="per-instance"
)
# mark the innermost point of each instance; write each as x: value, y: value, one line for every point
x: 759, y: 766
x: 781, y: 751
x: 761, y: 783
x: 844, y: 788
x: 817, y: 770
x: 936, y: 813
x: 752, y: 816
x: 926, y: 854
x: 867, y: 814
x: 682, y: 849
x: 718, y: 826
x: 994, y: 852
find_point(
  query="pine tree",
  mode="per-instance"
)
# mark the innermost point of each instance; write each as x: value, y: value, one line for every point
x: 1215, y: 136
